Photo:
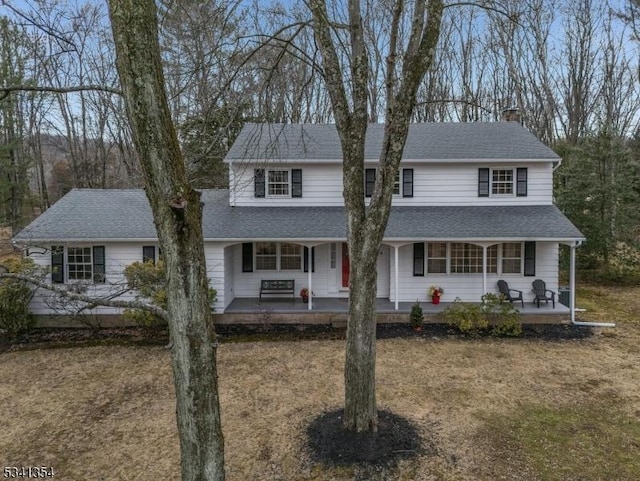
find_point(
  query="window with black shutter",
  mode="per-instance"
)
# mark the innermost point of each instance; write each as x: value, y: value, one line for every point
x: 418, y: 259
x: 149, y: 254
x: 259, y: 182
x: 306, y: 259
x: 247, y: 257
x: 407, y: 182
x: 98, y: 264
x: 530, y: 259
x: 57, y: 264
x: 483, y: 182
x: 521, y: 186
x: 296, y: 182
x: 369, y: 181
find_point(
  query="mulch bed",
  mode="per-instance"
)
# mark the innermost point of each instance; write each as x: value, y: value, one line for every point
x: 69, y: 337
x: 396, y: 438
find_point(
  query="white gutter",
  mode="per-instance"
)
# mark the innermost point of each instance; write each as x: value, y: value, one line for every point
x: 572, y: 293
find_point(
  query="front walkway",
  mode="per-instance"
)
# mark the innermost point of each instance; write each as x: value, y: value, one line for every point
x: 334, y: 310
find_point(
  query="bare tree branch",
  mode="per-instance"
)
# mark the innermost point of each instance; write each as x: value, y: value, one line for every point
x: 95, y: 301
x: 5, y: 91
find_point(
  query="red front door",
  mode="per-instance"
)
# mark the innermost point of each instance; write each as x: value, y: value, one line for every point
x: 345, y: 265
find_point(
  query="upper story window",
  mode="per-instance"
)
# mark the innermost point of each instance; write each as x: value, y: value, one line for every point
x: 502, y: 182
x: 402, y: 183
x: 277, y: 182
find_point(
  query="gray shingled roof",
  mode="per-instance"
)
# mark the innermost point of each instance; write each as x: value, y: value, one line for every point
x: 427, y: 141
x: 86, y: 214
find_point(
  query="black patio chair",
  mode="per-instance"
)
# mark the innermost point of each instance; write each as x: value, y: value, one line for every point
x: 542, y: 293
x: 510, y: 295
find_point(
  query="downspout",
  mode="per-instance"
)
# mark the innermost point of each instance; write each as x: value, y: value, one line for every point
x: 572, y: 293
x: 557, y: 166
x: 309, y: 264
x: 232, y: 186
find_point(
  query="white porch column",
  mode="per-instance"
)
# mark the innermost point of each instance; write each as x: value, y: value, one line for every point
x: 309, y: 307
x: 395, y: 266
x: 484, y: 270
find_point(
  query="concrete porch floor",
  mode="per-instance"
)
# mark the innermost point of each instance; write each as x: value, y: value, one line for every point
x: 333, y: 310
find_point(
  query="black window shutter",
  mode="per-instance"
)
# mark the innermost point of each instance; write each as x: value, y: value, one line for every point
x: 407, y: 182
x: 521, y: 187
x: 369, y: 181
x: 247, y: 257
x: 483, y: 182
x: 305, y: 261
x: 98, y: 264
x: 149, y: 254
x: 57, y: 264
x: 418, y: 259
x: 258, y: 182
x: 530, y: 259
x: 296, y: 182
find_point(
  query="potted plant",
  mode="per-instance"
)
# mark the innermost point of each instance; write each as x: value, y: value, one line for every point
x: 435, y: 292
x: 304, y: 293
x: 416, y: 318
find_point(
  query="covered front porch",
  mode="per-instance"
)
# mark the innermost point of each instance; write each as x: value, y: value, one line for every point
x: 333, y: 310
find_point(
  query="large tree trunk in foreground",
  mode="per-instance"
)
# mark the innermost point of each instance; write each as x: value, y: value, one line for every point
x: 177, y: 213
x: 366, y: 226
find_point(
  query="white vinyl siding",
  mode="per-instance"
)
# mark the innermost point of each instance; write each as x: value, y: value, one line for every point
x: 117, y: 257
x: 468, y: 287
x: 433, y: 184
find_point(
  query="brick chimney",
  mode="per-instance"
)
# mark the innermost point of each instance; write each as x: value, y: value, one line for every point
x: 511, y: 114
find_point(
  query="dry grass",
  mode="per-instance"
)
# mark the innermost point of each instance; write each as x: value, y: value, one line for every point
x: 496, y: 409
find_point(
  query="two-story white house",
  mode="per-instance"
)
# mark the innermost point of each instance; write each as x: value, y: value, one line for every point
x: 472, y: 204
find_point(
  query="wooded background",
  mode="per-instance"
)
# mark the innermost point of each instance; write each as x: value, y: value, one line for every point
x: 571, y: 67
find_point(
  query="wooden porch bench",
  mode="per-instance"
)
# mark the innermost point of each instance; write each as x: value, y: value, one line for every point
x: 280, y: 286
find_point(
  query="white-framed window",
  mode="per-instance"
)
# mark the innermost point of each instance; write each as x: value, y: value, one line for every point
x: 79, y: 264
x: 512, y: 258
x: 266, y: 256
x: 466, y: 258
x: 492, y: 259
x: 502, y: 181
x: 278, y: 256
x: 396, y: 184
x: 290, y: 257
x: 278, y: 183
x: 436, y: 257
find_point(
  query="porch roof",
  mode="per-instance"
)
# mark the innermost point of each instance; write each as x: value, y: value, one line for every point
x: 405, y: 223
x: 124, y: 215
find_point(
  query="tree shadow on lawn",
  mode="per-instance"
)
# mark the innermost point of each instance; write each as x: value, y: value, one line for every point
x: 397, y: 438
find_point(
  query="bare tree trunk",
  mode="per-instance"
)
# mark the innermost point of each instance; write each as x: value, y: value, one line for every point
x: 366, y: 227
x: 177, y: 213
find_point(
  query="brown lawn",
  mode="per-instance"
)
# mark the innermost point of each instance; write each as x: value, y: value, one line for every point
x: 495, y: 409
